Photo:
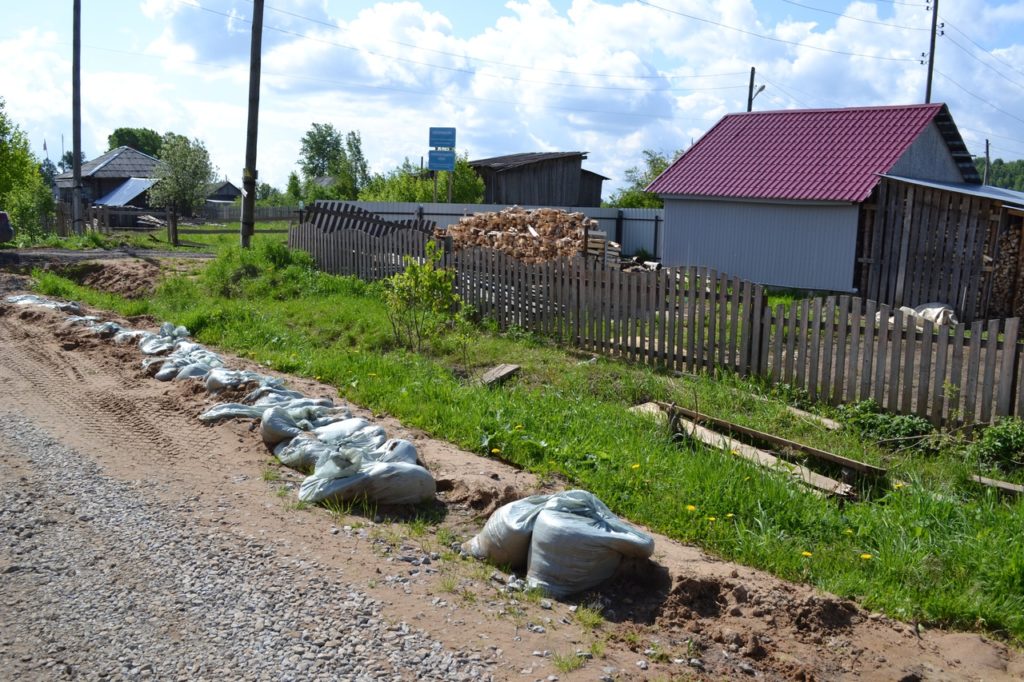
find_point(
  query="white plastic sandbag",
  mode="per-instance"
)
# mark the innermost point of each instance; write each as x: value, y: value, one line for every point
x: 578, y: 543
x: 302, y: 453
x: 231, y: 411
x: 398, y: 483
x: 505, y: 538
x: 276, y: 425
x: 394, y: 450
x: 341, y: 430
x: 336, y: 477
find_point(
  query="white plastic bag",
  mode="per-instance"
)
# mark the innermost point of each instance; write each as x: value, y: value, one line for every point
x: 341, y: 430
x: 398, y: 483
x: 302, y: 453
x: 395, y: 450
x: 276, y: 425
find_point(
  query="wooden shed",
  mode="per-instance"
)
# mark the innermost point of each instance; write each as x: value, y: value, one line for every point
x: 539, y: 179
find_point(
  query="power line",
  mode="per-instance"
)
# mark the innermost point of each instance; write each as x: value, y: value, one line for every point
x: 847, y: 16
x: 772, y: 38
x: 986, y: 65
x: 980, y: 98
x: 975, y: 43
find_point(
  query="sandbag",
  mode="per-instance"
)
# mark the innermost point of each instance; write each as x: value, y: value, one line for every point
x: 505, y: 538
x: 276, y: 425
x: 222, y: 378
x: 341, y: 430
x: 196, y: 370
x: 938, y: 313
x: 231, y: 411
x: 302, y: 453
x: 398, y: 483
x: 270, y: 395
x: 394, y: 450
x: 578, y: 543
x: 336, y: 476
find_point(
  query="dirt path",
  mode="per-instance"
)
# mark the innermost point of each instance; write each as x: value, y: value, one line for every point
x: 686, y: 615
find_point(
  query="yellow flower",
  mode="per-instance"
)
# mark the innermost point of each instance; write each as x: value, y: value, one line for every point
x: 495, y: 451
x: 691, y: 508
x: 865, y: 556
x: 898, y: 484
x: 848, y: 531
x: 519, y: 427
x: 729, y: 516
x: 805, y: 553
x: 371, y: 374
x: 712, y: 518
x: 635, y: 466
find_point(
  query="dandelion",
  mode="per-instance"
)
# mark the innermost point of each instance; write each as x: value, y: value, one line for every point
x: 691, y: 508
x: 865, y: 556
x: 371, y: 374
x: 730, y: 515
x: 712, y: 518
x: 848, y: 531
x: 898, y: 484
x: 495, y: 451
x: 519, y: 427
x: 635, y: 467
x: 806, y: 554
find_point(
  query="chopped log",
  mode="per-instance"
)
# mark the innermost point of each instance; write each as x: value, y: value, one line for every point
x: 820, y: 483
x: 651, y: 410
x: 498, y: 375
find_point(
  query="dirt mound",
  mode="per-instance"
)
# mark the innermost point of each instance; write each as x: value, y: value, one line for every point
x: 128, y: 277
x: 480, y: 493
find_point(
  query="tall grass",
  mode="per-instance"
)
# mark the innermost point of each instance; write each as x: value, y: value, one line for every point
x: 930, y: 547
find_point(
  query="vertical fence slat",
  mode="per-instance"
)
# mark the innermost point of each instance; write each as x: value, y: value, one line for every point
x: 988, y: 385
x: 973, y: 367
x: 790, y: 342
x: 898, y: 337
x: 778, y: 326
x: 844, y: 330
x: 801, y: 347
x: 673, y: 320
x: 813, y: 380
x: 747, y: 320
x: 939, y: 385
x: 652, y: 315
x: 734, y: 320
x: 854, y: 357
x: 723, y: 317
x: 691, y: 320
x: 829, y: 321
x: 925, y: 367
x: 1008, y: 367
x: 867, y: 368
x: 909, y: 348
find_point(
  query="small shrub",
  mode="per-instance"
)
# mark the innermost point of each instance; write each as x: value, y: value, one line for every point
x: 895, y: 430
x: 421, y: 302
x: 1001, y: 444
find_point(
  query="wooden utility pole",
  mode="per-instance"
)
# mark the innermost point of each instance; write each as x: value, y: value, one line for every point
x: 750, y: 91
x: 76, y: 121
x: 931, y: 51
x: 249, y: 173
x: 984, y: 179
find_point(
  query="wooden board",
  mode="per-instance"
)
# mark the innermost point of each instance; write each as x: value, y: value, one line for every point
x: 499, y: 374
x: 1001, y: 486
x: 761, y: 458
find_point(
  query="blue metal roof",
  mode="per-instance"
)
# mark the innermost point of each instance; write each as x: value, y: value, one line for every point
x: 126, y: 192
x: 1000, y: 194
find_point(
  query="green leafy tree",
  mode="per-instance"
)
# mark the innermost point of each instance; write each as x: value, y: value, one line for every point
x: 293, y: 190
x: 23, y: 192
x: 183, y: 176
x: 48, y: 170
x: 1007, y: 174
x: 409, y: 183
x: 144, y: 140
x: 632, y: 195
x: 68, y: 160
x: 322, y: 147
x: 328, y: 154
x: 421, y: 301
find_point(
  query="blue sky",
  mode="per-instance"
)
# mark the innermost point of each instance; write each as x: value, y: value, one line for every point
x: 609, y: 77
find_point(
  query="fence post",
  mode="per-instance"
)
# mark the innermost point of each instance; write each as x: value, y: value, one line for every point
x: 657, y: 230
x: 618, y: 226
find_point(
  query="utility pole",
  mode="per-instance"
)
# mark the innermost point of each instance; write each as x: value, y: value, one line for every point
x: 750, y: 91
x: 931, y: 51
x: 984, y: 179
x: 249, y: 172
x: 76, y: 121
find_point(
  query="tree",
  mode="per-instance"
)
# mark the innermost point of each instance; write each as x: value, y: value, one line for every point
x: 23, y: 193
x: 294, y: 188
x: 68, y: 160
x: 183, y: 176
x: 632, y: 195
x: 322, y: 147
x: 48, y: 171
x: 1007, y: 174
x: 144, y: 140
x: 409, y: 183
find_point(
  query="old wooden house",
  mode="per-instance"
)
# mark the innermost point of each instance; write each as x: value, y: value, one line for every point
x: 106, y: 173
x: 881, y: 201
x: 539, y: 179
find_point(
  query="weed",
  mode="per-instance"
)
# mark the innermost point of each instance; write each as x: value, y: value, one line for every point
x: 298, y: 505
x: 467, y: 596
x: 271, y: 474
x: 589, y: 617
x: 446, y: 537
x: 1001, y: 444
x: 283, y: 491
x: 417, y: 528
x: 597, y: 648
x: 449, y: 583
x: 566, y: 663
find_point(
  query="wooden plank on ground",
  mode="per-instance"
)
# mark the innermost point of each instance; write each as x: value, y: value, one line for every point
x: 760, y: 457
x: 499, y: 374
x: 1001, y: 486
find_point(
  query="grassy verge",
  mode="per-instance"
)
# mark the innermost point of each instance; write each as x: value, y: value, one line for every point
x: 206, y: 240
x: 932, y: 547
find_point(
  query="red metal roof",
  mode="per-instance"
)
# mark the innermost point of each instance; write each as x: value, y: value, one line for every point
x: 802, y: 154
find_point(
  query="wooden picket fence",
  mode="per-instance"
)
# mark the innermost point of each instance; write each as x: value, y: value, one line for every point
x: 838, y: 349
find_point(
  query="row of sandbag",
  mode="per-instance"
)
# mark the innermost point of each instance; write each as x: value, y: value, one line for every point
x: 349, y: 457
x: 569, y: 542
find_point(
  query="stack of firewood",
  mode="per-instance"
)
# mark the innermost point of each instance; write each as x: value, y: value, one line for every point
x: 534, y: 236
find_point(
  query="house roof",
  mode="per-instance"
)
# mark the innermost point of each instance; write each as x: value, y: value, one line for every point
x: 126, y: 192
x: 807, y: 154
x: 123, y: 162
x: 510, y: 161
x: 215, y: 187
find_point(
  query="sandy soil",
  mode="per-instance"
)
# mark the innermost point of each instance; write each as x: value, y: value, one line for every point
x: 685, y: 605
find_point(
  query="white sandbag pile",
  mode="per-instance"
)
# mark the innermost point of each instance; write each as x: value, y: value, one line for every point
x: 569, y: 542
x: 350, y: 458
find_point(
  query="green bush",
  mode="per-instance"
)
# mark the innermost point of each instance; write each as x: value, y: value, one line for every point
x: 894, y: 430
x: 1001, y: 444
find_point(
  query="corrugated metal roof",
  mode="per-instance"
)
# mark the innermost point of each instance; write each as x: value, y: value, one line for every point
x: 1001, y: 194
x: 123, y: 162
x: 807, y: 155
x: 126, y: 192
x: 509, y: 161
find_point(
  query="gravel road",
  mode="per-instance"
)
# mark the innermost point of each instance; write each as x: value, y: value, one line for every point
x: 103, y: 580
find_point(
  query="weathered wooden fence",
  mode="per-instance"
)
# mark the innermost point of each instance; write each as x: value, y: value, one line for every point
x: 838, y: 349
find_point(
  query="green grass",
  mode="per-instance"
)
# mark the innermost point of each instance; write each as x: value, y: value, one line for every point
x: 206, y: 240
x: 939, y: 549
x: 568, y: 662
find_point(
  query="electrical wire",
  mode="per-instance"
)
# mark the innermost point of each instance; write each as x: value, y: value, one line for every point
x: 980, y: 98
x: 772, y: 38
x: 949, y: 24
x: 847, y: 16
x: 985, y: 64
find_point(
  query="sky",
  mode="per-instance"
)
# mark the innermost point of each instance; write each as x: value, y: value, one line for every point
x: 611, y: 77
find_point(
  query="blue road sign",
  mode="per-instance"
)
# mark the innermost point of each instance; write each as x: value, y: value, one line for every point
x: 442, y: 137
x: 441, y: 160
